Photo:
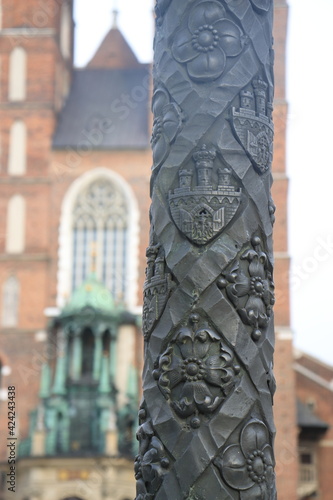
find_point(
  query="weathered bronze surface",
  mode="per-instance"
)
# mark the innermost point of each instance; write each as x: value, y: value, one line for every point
x: 206, y: 426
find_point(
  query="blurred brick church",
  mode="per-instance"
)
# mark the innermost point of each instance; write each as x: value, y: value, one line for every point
x: 74, y: 201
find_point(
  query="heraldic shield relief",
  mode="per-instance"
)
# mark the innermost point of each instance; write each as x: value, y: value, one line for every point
x: 253, y: 127
x: 156, y: 290
x: 200, y: 206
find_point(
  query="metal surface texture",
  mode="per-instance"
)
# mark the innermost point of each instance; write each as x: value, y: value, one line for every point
x: 206, y: 427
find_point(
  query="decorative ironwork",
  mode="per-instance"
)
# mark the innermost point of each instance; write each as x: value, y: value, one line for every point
x: 206, y: 423
x: 249, y: 286
x: 167, y: 123
x: 249, y: 464
x: 253, y: 126
x: 203, y: 211
x: 206, y: 41
x: 152, y: 463
x: 157, y: 287
x: 196, y: 372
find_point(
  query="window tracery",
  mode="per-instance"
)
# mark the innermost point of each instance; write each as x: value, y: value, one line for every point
x: 100, y: 218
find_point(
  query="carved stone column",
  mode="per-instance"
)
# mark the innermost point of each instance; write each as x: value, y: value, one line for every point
x: 206, y: 426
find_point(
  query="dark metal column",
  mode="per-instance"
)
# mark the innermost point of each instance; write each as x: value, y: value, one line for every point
x: 206, y: 426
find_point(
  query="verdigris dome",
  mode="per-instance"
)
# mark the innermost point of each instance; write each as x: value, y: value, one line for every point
x: 91, y: 294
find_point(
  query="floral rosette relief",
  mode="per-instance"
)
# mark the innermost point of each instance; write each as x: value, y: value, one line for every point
x: 249, y: 286
x: 196, y: 372
x: 167, y: 123
x: 248, y: 465
x: 207, y: 41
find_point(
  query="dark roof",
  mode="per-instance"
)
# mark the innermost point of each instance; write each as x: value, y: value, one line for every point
x: 307, y: 419
x: 105, y: 109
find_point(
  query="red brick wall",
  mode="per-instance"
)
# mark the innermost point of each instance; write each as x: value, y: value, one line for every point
x: 25, y: 356
x: 284, y: 402
x: 31, y: 13
x: 18, y: 349
x: 309, y: 390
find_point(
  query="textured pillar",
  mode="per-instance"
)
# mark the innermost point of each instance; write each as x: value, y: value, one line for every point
x: 206, y: 427
x: 98, y: 354
x: 59, y: 385
x: 113, y: 354
x: 77, y: 354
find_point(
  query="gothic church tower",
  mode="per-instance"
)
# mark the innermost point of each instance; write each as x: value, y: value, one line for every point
x: 36, y: 56
x: 74, y: 172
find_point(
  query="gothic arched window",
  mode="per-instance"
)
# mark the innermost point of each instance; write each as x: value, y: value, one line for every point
x: 99, y: 216
x: 15, y: 230
x: 17, y: 74
x: 17, y: 158
x: 100, y: 221
x: 65, y: 30
x: 10, y: 302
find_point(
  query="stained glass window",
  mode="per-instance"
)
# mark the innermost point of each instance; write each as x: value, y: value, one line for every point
x: 100, y: 236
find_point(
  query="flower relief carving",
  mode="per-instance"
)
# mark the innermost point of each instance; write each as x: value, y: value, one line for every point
x: 249, y: 286
x: 167, y: 123
x: 152, y: 463
x: 248, y: 465
x: 196, y: 372
x: 207, y: 41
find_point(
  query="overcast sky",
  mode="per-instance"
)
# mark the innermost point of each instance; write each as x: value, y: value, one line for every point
x: 310, y: 133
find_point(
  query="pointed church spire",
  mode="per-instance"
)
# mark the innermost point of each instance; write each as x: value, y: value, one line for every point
x: 115, y: 14
x: 114, y: 52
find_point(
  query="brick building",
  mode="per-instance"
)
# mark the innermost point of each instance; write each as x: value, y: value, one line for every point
x: 314, y: 389
x: 69, y: 139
